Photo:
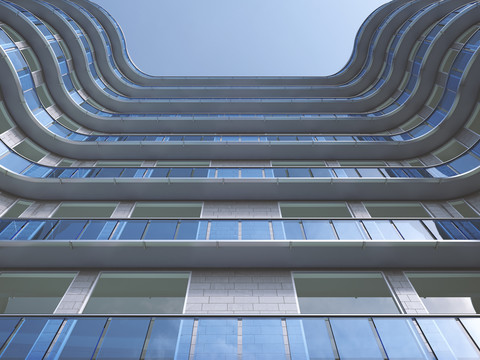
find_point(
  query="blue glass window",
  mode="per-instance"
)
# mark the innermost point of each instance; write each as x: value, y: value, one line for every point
x: 224, y: 230
x: 78, y: 339
x: 161, y: 230
x: 447, y: 339
x: 188, y: 230
x: 262, y: 339
x: 255, y: 230
x: 349, y: 230
x: 381, y: 230
x: 318, y: 230
x: 9, y: 228
x: 400, y: 339
x: 216, y: 339
x: 355, y: 339
x: 170, y: 339
x: 35, y: 229
x: 252, y: 173
x: 98, y: 230
x: 129, y: 230
x: 309, y: 339
x: 412, y: 230
x: 124, y: 339
x: 67, y: 230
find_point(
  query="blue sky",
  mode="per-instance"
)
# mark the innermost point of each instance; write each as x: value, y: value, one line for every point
x: 240, y: 37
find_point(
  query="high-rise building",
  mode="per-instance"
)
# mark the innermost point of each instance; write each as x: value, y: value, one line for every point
x: 245, y: 218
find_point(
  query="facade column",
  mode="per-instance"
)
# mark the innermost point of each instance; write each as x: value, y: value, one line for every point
x: 78, y: 293
x: 405, y: 293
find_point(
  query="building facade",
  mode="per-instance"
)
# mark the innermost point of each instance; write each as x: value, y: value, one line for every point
x: 246, y: 218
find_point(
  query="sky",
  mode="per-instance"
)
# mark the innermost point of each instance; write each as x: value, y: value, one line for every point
x: 240, y: 37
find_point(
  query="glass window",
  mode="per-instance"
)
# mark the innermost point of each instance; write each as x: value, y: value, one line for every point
x: 318, y: 230
x: 395, y: 210
x: 67, y: 230
x: 447, y: 338
x: 129, y: 230
x: 166, y: 209
x: 216, y: 339
x: 255, y: 230
x: 381, y: 230
x: 262, y: 338
x: 343, y: 293
x: 448, y: 292
x: 188, y: 230
x: 98, y: 230
x: 124, y: 339
x: 224, y: 230
x: 413, y: 230
x: 32, y: 293
x: 78, y: 339
x: 355, y: 339
x: 309, y: 339
x: 401, y: 339
x: 314, y: 209
x: 138, y: 293
x: 85, y: 209
x: 169, y: 339
x: 161, y: 230
x: 349, y: 230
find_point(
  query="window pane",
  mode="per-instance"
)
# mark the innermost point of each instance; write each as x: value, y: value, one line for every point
x: 224, y: 230
x: 401, y: 339
x: 124, y: 339
x: 309, y: 339
x: 349, y: 230
x: 457, y: 293
x: 343, y: 293
x: 255, y: 230
x: 381, y: 230
x: 170, y: 339
x: 138, y: 293
x: 67, y: 230
x: 129, y: 230
x: 161, y: 230
x: 262, y: 338
x: 216, y: 339
x: 355, y: 339
x: 187, y: 230
x: 79, y: 338
x: 32, y: 293
x: 98, y: 230
x: 447, y: 339
x: 318, y: 230
x: 412, y: 230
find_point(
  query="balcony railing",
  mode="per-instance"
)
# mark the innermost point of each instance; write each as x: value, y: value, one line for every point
x: 245, y: 337
x: 275, y: 230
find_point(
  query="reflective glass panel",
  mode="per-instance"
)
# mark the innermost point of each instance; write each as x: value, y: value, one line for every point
x: 255, y: 230
x: 381, y: 230
x: 401, y: 339
x: 32, y: 293
x: 355, y: 339
x: 124, y: 339
x: 343, y: 293
x: 309, y: 339
x: 447, y: 339
x: 262, y: 339
x: 443, y: 293
x: 217, y: 339
x: 318, y: 230
x: 138, y: 293
x: 349, y: 230
x: 170, y: 339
